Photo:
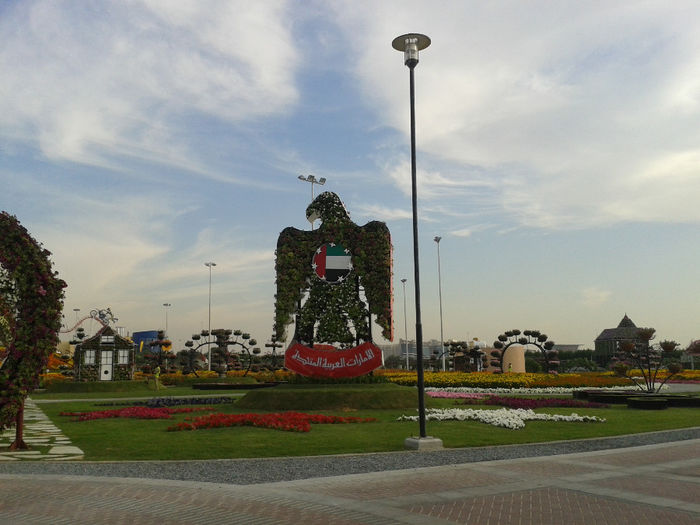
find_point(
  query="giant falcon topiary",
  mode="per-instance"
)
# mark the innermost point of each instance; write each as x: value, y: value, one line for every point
x: 322, y: 273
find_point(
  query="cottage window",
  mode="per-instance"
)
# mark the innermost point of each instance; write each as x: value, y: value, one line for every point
x: 89, y: 358
x: 107, y: 340
x: 123, y: 357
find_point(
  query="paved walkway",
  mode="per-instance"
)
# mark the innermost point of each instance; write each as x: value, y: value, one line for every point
x: 46, y: 440
x: 651, y: 484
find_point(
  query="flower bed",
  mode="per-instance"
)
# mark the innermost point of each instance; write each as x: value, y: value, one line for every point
x: 134, y: 412
x: 522, y: 402
x: 504, y: 417
x: 289, y: 421
x: 488, y: 380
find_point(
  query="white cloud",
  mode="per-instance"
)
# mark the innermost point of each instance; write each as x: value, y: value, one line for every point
x: 90, y: 83
x: 569, y: 109
x: 594, y: 296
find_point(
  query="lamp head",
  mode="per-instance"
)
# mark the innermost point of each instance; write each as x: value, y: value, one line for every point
x: 410, y: 44
x: 437, y: 239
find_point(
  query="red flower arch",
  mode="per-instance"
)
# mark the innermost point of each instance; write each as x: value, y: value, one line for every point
x: 31, y: 300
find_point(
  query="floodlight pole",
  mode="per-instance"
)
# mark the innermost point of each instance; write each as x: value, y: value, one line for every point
x: 405, y: 326
x: 437, y: 240
x: 209, y: 264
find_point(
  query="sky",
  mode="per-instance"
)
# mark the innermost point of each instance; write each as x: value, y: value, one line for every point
x: 558, y: 156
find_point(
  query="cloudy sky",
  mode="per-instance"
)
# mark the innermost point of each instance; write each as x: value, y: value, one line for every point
x: 558, y: 155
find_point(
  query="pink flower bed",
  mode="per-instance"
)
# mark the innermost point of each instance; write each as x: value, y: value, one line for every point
x: 454, y: 395
x: 532, y: 403
x: 289, y: 421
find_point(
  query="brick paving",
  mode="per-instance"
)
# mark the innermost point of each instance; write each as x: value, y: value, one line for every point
x: 602, y: 487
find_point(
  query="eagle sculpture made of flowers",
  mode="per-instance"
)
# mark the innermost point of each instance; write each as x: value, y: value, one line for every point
x: 333, y: 283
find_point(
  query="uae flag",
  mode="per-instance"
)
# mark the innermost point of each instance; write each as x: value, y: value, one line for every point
x: 332, y: 263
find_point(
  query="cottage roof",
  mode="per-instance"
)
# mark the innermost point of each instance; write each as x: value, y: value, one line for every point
x: 625, y: 330
x: 95, y: 341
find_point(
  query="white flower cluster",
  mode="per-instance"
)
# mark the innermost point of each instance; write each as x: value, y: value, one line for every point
x: 545, y: 390
x: 513, y: 418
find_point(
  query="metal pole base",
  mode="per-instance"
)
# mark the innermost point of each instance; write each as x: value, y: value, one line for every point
x: 423, y: 443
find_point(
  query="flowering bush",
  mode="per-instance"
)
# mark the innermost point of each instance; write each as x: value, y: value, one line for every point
x: 504, y: 417
x: 31, y: 300
x: 289, y: 421
x: 139, y: 412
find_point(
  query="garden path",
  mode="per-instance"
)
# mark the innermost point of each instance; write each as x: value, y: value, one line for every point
x: 46, y: 440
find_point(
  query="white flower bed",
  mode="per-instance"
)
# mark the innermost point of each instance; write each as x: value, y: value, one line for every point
x: 513, y: 418
x: 545, y: 390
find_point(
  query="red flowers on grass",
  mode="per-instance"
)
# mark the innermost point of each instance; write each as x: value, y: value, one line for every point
x: 133, y: 412
x: 289, y: 421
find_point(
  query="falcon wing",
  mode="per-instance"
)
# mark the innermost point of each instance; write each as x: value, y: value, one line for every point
x: 373, y: 262
x: 295, y: 249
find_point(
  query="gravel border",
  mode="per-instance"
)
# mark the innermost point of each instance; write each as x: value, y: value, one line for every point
x: 252, y: 471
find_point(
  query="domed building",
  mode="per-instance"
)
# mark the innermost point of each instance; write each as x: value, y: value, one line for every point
x: 607, y: 342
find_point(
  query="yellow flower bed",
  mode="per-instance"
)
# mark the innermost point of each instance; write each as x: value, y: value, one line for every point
x: 508, y: 380
x: 53, y: 377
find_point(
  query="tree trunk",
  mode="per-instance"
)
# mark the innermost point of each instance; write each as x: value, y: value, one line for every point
x: 19, y: 443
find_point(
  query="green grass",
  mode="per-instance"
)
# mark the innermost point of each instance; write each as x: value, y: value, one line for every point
x: 121, y: 389
x: 124, y: 439
x: 330, y: 397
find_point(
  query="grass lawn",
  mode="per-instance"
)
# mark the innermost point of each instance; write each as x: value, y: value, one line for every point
x: 127, y: 439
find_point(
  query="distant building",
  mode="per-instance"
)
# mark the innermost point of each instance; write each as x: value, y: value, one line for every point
x: 606, y: 344
x: 145, y: 337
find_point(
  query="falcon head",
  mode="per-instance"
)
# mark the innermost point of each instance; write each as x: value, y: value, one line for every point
x: 328, y: 207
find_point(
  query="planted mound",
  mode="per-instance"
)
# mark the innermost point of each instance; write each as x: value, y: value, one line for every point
x: 329, y: 398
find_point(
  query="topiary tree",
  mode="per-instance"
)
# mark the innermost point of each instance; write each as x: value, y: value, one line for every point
x: 31, y: 300
x: 648, y: 358
x: 527, y: 338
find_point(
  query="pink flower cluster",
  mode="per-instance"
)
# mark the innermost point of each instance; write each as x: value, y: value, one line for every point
x: 289, y: 421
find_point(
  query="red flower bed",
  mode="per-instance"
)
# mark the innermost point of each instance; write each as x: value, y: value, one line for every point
x: 522, y: 402
x: 289, y: 421
x: 133, y: 412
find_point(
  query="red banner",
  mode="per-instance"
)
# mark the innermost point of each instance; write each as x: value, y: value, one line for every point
x: 353, y: 362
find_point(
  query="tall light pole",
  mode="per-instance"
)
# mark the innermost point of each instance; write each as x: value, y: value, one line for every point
x: 209, y: 264
x: 405, y: 326
x: 311, y: 179
x: 166, y: 305
x: 442, y: 343
x: 411, y: 44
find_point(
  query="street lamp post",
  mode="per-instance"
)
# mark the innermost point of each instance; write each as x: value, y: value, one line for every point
x: 166, y: 305
x: 76, y: 310
x: 405, y: 326
x: 411, y: 44
x: 442, y: 344
x: 209, y: 264
x: 313, y: 180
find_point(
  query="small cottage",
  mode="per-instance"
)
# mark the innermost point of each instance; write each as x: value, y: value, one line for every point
x: 606, y: 344
x: 106, y: 356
